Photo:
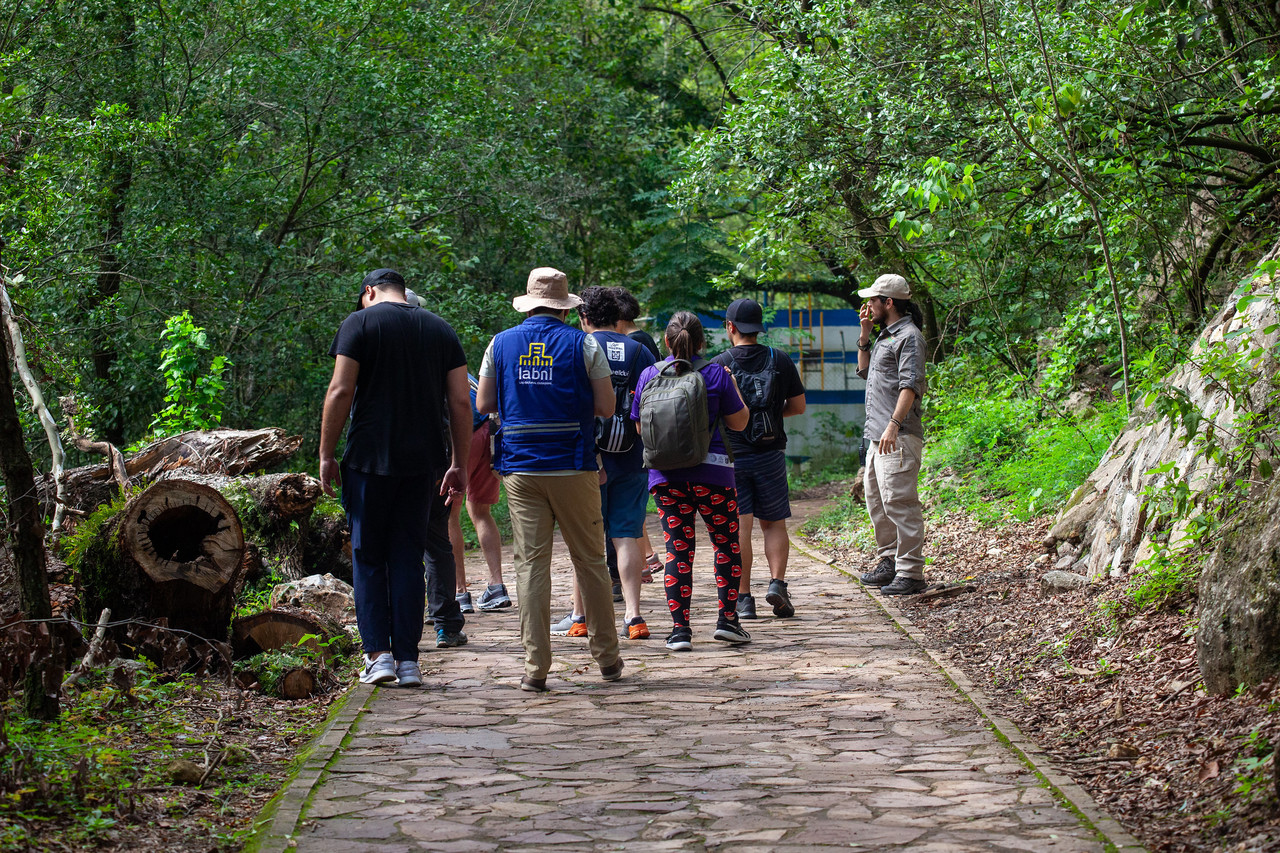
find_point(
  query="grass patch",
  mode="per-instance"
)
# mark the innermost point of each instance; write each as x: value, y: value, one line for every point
x: 1005, y: 456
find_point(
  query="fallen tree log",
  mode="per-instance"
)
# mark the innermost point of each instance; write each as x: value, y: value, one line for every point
x: 297, y: 684
x: 222, y: 451
x: 175, y: 551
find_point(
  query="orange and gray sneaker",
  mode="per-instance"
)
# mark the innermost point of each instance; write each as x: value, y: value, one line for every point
x: 637, y: 629
x: 578, y: 628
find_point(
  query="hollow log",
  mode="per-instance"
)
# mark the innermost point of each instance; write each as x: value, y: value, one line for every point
x: 285, y: 627
x: 297, y: 684
x: 275, y: 511
x: 176, y: 551
x: 221, y: 451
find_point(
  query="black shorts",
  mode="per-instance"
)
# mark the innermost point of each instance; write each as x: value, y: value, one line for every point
x: 761, y: 479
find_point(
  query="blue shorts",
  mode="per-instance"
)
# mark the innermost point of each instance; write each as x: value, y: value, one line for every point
x: 761, y: 479
x: 623, y: 501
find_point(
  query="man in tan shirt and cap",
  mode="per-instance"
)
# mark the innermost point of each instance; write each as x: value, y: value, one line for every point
x: 548, y: 382
x: 894, y: 369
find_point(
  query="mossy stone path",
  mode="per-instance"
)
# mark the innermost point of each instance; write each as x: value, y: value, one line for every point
x: 831, y: 730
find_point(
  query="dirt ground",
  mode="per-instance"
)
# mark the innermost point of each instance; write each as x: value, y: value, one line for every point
x: 1111, y: 693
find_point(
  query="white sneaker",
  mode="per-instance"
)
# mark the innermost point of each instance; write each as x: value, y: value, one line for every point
x: 408, y: 673
x: 379, y: 670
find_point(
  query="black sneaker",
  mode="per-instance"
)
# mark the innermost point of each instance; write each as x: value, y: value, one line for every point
x: 731, y: 632
x: 617, y: 592
x: 681, y: 640
x: 746, y: 607
x: 904, y: 586
x: 882, y: 574
x: 779, y: 598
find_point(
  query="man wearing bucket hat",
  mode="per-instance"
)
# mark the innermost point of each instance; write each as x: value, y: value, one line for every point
x: 549, y: 382
x: 893, y: 366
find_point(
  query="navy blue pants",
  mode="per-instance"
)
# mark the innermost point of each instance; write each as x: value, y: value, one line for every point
x: 396, y: 523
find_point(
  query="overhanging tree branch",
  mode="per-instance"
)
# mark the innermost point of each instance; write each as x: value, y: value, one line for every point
x: 702, y: 43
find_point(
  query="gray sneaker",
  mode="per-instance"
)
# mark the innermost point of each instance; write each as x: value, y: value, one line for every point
x: 449, y: 639
x: 561, y: 628
x: 464, y: 602
x: 379, y: 670
x: 494, y: 598
x: 746, y: 606
x: 408, y: 673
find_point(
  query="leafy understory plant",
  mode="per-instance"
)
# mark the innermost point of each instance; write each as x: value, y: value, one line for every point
x: 193, y: 399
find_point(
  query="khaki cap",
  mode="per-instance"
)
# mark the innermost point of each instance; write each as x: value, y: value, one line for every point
x: 890, y: 284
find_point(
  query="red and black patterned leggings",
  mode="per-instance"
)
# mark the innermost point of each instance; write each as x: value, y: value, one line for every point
x: 718, y: 506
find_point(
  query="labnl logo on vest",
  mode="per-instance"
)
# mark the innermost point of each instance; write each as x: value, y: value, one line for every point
x: 535, y: 366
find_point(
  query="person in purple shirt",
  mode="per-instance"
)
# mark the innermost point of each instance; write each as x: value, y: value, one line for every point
x: 706, y: 489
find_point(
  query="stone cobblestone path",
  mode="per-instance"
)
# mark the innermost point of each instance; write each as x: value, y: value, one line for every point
x: 831, y: 730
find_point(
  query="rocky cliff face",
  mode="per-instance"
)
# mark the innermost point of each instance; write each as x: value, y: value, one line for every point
x: 1105, y: 526
x: 1239, y: 639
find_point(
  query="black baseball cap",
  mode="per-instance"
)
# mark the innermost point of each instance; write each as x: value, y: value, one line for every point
x: 377, y: 277
x: 746, y: 315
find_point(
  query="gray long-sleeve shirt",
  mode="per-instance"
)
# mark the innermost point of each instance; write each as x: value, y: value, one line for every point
x: 897, y: 362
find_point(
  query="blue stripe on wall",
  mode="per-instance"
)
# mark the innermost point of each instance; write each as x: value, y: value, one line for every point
x: 835, y: 398
x: 794, y: 319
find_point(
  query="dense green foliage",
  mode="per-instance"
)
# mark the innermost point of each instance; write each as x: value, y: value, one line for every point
x: 1069, y: 186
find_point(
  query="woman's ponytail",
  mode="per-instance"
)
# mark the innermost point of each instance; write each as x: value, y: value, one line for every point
x: 684, y: 335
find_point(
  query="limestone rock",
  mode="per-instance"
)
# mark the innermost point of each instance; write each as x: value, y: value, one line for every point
x: 1072, y: 523
x: 1057, y: 581
x: 184, y: 772
x: 1080, y: 404
x: 321, y: 593
x: 1109, y: 516
x: 1239, y: 639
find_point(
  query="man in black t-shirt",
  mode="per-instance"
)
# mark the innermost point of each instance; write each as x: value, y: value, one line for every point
x: 772, y: 389
x: 394, y: 367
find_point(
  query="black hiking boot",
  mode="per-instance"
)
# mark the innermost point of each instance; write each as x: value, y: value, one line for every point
x: 882, y: 574
x: 904, y: 586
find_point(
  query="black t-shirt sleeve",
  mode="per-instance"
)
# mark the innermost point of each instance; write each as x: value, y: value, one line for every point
x: 349, y: 338
x: 454, y: 356
x: 792, y: 384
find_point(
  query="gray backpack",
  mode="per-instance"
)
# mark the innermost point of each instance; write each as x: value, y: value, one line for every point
x: 674, y: 424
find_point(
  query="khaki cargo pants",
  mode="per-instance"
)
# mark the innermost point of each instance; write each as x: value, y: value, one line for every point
x: 538, y: 504
x: 893, y: 502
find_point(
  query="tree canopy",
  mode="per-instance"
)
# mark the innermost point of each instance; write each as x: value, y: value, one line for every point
x: 1046, y: 174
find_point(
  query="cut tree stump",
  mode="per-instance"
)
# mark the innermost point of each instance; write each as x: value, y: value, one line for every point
x: 281, y: 628
x: 297, y: 684
x: 174, y: 551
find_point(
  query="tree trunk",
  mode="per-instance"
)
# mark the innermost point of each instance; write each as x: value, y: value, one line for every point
x: 26, y: 533
x: 174, y: 551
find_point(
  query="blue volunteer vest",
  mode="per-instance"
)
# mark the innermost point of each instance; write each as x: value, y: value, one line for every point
x: 545, y: 399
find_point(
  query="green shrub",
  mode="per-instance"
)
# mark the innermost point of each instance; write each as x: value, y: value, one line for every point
x: 998, y: 454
